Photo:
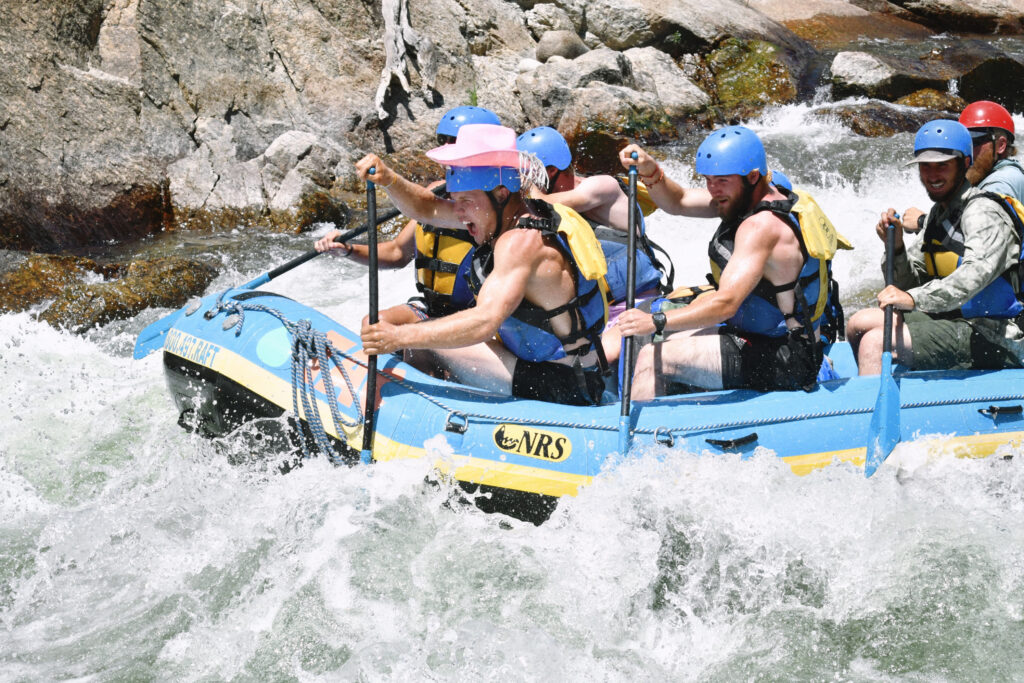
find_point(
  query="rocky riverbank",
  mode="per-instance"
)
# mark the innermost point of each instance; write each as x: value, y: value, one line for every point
x: 122, y: 118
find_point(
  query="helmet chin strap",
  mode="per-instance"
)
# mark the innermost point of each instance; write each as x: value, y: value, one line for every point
x: 554, y: 180
x: 499, y: 210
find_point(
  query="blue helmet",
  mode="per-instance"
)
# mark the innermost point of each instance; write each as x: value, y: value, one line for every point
x: 733, y: 150
x: 460, y: 116
x: 941, y: 140
x: 549, y: 146
x: 780, y: 179
x: 486, y: 178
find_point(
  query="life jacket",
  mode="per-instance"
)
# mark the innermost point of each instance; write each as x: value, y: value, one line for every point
x: 527, y: 332
x: 760, y: 313
x: 943, y: 247
x: 643, y: 195
x: 443, y: 257
x: 651, y: 271
x: 615, y: 246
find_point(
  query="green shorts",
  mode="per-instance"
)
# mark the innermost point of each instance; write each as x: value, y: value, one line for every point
x: 953, y: 344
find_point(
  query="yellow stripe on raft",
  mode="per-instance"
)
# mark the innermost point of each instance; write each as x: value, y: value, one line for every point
x: 534, y: 479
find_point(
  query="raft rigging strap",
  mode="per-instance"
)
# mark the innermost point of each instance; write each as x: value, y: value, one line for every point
x: 308, y: 343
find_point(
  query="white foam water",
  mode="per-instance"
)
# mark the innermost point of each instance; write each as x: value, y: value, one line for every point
x: 132, y: 550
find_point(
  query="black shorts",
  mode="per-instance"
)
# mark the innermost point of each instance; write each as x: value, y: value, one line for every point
x: 752, y: 361
x: 557, y: 383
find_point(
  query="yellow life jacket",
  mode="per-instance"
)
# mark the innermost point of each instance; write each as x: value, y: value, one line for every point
x: 586, y: 249
x: 943, y: 249
x: 527, y: 331
x: 819, y: 238
x: 439, y: 253
x: 942, y: 254
x: 643, y: 195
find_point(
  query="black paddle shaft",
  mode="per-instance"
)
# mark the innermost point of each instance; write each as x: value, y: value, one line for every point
x: 371, y: 372
x: 890, y: 257
x: 629, y: 345
x: 345, y: 237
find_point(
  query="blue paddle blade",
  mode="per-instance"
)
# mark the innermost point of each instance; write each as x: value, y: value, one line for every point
x: 152, y: 336
x: 884, y: 431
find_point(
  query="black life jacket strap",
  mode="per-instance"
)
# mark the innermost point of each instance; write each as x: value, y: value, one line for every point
x: 435, y: 264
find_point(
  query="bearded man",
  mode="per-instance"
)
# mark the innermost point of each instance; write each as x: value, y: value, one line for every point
x: 755, y: 329
x: 956, y: 291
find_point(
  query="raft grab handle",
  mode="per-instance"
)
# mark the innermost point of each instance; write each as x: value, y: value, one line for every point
x: 456, y: 422
x: 996, y: 411
x: 728, y: 444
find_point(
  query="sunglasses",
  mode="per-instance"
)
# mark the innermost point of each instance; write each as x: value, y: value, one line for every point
x: 445, y: 139
x: 980, y: 137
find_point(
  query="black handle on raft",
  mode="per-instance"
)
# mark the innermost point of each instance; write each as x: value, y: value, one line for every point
x: 996, y: 411
x: 456, y: 422
x: 663, y: 435
x: 726, y: 444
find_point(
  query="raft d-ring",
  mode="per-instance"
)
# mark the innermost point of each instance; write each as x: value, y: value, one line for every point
x: 193, y: 306
x: 663, y: 435
x: 456, y: 422
x: 229, y: 322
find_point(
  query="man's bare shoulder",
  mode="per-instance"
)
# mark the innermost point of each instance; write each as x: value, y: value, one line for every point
x: 763, y: 226
x: 520, y: 244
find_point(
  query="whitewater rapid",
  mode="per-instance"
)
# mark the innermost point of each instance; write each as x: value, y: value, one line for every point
x: 133, y: 550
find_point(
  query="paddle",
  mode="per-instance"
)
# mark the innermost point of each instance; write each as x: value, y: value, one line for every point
x: 371, y: 372
x: 628, y: 342
x: 152, y: 336
x: 884, y: 432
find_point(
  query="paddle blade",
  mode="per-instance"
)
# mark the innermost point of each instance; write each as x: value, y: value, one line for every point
x: 152, y: 336
x: 884, y: 432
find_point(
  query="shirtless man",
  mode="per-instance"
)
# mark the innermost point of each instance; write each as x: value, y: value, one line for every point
x: 439, y: 253
x: 769, y: 341
x: 541, y: 294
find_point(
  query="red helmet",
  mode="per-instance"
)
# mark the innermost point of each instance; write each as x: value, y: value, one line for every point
x: 985, y: 114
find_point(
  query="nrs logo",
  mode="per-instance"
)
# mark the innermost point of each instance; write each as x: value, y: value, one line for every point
x: 533, y: 443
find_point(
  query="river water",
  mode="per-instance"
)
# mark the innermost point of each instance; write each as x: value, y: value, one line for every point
x: 132, y: 550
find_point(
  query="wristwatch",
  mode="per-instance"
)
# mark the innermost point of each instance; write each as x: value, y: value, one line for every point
x: 659, y: 320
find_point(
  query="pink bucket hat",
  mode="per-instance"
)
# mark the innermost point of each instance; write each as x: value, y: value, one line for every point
x: 479, y: 144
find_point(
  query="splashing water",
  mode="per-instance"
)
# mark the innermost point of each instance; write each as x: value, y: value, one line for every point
x: 133, y: 550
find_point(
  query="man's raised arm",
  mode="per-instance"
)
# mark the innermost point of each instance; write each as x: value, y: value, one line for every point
x: 414, y: 201
x: 670, y: 196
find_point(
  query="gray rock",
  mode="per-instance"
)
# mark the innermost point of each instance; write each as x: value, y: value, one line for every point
x: 546, y: 91
x: 659, y: 74
x: 995, y: 79
x: 885, y: 77
x: 977, y: 16
x: 681, y: 26
x: 623, y: 110
x: 526, y: 64
x: 192, y: 180
x: 496, y: 88
x: 239, y: 186
x: 592, y: 41
x: 560, y: 43
x: 291, y: 191
x: 543, y: 18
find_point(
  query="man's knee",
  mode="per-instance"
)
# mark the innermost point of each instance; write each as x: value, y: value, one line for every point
x: 862, y: 322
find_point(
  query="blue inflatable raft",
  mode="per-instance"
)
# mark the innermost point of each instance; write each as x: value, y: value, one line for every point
x: 246, y: 355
